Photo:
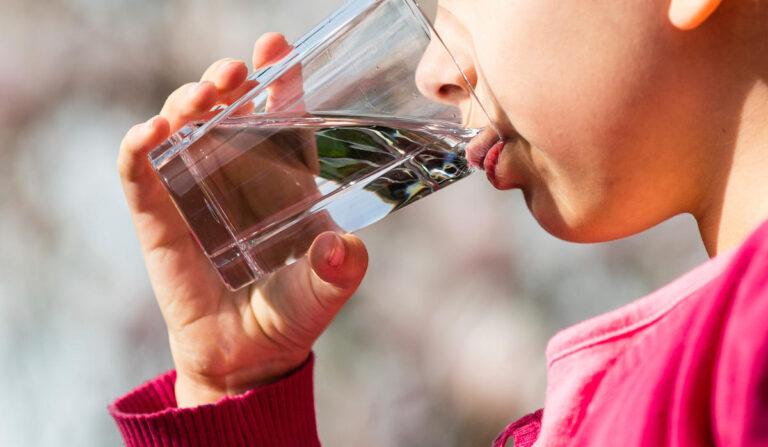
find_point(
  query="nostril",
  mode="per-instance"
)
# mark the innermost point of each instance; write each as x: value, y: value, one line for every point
x: 448, y: 91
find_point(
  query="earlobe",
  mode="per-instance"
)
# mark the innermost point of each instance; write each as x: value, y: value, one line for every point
x: 688, y: 14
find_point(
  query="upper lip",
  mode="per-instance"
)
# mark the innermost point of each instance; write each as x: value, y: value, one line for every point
x: 479, y: 147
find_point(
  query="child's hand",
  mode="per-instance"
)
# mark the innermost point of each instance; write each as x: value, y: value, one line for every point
x: 222, y: 342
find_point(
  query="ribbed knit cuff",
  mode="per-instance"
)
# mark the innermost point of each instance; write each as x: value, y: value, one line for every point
x: 524, y: 432
x: 281, y: 414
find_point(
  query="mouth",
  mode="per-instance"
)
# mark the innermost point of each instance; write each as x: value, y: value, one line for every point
x: 478, y: 148
x: 490, y: 162
x: 483, y: 153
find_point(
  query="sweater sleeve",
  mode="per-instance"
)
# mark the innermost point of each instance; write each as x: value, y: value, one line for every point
x: 281, y: 414
x: 523, y: 433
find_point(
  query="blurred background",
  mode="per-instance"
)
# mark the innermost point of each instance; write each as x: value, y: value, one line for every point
x: 442, y: 346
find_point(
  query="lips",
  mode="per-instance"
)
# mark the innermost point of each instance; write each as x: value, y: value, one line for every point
x: 491, y: 160
x: 483, y: 152
x: 478, y: 148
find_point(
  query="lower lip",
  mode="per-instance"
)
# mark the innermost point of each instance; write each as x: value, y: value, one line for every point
x: 491, y: 160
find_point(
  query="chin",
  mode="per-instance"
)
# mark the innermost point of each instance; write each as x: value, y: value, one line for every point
x: 568, y: 232
x: 575, y: 225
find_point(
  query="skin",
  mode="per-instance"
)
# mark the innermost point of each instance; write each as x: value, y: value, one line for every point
x: 622, y: 114
x: 616, y: 116
x: 222, y: 342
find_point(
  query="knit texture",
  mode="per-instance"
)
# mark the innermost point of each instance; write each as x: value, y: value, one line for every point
x: 524, y: 432
x: 277, y: 415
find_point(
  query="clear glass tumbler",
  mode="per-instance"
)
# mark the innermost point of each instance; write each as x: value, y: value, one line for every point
x: 334, y: 136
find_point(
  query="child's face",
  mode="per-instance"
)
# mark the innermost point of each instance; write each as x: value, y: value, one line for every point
x: 598, y: 101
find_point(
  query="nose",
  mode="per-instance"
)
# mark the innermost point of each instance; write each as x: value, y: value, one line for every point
x: 439, y: 78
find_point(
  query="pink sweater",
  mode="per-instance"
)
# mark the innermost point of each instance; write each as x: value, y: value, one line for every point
x: 684, y: 366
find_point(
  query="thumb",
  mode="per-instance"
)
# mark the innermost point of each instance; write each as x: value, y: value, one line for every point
x: 338, y: 264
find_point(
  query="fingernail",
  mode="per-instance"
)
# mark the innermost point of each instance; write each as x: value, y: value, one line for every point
x: 336, y: 258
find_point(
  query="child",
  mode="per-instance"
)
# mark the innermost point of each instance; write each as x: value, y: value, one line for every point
x: 617, y: 116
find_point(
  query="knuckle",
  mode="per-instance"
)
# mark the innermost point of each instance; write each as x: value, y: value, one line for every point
x: 223, y: 61
x: 180, y: 92
x: 177, y: 100
x: 212, y: 69
x: 129, y: 140
x: 123, y: 165
x: 130, y: 146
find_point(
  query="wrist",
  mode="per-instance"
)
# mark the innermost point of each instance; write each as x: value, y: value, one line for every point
x: 194, y: 389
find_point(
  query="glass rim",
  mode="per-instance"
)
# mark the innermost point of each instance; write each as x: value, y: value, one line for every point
x: 430, y: 29
x: 339, y: 22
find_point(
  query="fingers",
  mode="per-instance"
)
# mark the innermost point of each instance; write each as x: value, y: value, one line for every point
x: 286, y: 91
x: 225, y: 81
x: 189, y: 102
x: 339, y: 264
x: 230, y: 78
x: 222, y: 83
x: 269, y: 49
x: 226, y: 74
x: 132, y: 163
x: 155, y: 217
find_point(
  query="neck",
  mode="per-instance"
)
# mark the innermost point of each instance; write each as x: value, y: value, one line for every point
x: 738, y: 203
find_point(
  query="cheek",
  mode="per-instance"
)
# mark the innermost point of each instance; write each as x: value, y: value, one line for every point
x: 579, y: 86
x: 565, y: 71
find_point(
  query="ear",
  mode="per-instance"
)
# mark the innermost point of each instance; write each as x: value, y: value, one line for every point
x: 688, y: 14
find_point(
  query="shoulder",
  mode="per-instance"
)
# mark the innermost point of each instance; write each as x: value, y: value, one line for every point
x: 747, y: 272
x: 742, y: 295
x: 740, y: 394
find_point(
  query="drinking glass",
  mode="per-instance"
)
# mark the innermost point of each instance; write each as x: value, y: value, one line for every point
x: 334, y: 136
